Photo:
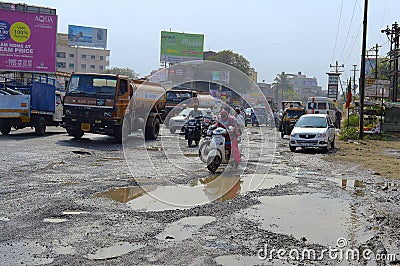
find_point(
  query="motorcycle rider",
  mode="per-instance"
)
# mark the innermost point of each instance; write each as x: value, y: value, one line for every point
x: 195, y: 112
x: 227, y: 121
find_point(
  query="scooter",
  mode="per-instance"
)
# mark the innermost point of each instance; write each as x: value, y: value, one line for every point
x: 218, y: 155
x: 192, y: 129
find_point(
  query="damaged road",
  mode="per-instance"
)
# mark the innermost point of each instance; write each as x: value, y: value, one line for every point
x: 94, y: 202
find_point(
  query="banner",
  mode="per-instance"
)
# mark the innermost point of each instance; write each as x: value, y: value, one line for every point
x: 28, y: 41
x: 179, y: 47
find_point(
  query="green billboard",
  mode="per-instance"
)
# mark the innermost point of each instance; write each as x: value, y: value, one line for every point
x: 179, y: 47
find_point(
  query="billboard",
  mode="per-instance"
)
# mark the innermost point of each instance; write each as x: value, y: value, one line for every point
x: 333, y: 85
x: 87, y: 36
x: 27, y: 41
x: 179, y: 47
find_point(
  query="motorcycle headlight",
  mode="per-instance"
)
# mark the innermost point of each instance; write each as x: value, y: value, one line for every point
x: 68, y: 112
x: 107, y: 114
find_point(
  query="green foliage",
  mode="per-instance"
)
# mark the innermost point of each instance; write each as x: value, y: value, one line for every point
x: 354, y: 121
x: 383, y: 136
x: 348, y: 133
x: 233, y: 59
x: 283, y: 87
x: 122, y: 71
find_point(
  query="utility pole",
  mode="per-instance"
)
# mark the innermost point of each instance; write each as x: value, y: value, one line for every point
x: 362, y: 74
x: 337, y: 66
x: 354, y: 70
x: 393, y: 36
x: 376, y: 50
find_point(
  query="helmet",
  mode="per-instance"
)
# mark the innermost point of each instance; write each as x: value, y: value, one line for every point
x: 224, y: 113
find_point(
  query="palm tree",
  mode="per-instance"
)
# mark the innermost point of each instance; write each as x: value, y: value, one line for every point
x: 283, y: 84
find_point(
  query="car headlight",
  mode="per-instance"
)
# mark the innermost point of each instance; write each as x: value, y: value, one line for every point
x: 322, y: 135
x: 293, y: 135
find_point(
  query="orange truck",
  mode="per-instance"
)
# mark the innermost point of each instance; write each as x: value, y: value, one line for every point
x: 113, y: 105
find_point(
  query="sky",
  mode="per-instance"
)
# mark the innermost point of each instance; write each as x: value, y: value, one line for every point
x: 291, y: 36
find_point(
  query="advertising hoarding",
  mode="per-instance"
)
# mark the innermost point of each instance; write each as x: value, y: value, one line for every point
x: 87, y: 36
x: 333, y: 85
x: 27, y: 41
x: 179, y: 47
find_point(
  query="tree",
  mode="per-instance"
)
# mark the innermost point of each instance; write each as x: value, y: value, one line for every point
x: 122, y: 71
x: 283, y: 86
x: 233, y: 59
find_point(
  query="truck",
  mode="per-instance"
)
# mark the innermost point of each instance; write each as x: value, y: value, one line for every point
x: 112, y: 104
x: 36, y: 105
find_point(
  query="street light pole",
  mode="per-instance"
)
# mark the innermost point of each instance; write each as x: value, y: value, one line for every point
x: 362, y: 74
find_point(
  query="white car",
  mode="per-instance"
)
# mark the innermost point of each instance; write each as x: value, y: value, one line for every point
x: 177, y: 122
x: 313, y: 130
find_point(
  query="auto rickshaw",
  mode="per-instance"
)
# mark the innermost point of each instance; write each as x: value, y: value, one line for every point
x: 292, y: 112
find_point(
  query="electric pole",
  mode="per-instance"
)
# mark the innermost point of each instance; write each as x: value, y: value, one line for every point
x: 362, y: 74
x: 337, y: 66
x: 354, y: 70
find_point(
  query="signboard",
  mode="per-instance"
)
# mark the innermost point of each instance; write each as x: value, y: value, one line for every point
x: 28, y: 41
x: 377, y: 88
x: 179, y: 47
x: 220, y: 76
x: 87, y: 36
x: 333, y: 85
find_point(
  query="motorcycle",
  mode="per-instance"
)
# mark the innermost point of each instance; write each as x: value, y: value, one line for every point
x: 220, y: 154
x: 192, y: 129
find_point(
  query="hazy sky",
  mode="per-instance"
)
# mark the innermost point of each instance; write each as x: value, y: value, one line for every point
x: 274, y: 35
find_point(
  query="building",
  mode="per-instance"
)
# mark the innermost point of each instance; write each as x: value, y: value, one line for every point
x: 80, y: 59
x: 305, y: 87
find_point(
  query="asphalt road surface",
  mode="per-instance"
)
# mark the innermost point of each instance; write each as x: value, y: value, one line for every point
x: 95, y: 202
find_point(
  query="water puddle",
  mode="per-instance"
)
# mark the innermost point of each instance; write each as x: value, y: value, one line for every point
x: 23, y: 253
x: 114, y: 251
x: 348, y: 183
x: 239, y: 260
x: 317, y: 217
x: 74, y: 212
x: 54, y: 220
x: 64, y: 250
x: 191, y: 154
x: 201, y: 191
x: 184, y: 228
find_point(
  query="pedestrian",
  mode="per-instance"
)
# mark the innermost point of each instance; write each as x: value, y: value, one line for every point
x: 338, y: 116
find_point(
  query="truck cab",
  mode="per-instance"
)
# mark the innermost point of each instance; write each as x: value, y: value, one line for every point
x: 98, y: 103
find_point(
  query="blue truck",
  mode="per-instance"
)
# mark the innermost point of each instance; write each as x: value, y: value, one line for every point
x: 36, y: 105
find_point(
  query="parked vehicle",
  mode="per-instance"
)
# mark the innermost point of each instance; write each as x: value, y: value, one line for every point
x: 321, y: 105
x: 313, y: 130
x: 99, y: 103
x: 176, y: 123
x: 192, y: 129
x: 220, y: 150
x: 37, y: 105
x: 289, y: 119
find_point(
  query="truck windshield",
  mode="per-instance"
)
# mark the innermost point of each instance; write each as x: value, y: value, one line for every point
x: 92, y: 85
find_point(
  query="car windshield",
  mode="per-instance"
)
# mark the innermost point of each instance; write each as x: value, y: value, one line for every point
x: 294, y: 113
x: 312, y: 122
x: 92, y: 85
x: 178, y: 96
x: 185, y: 112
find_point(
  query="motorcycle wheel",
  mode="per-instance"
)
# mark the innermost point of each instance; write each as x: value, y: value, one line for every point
x: 204, y: 149
x: 190, y: 142
x: 213, y: 164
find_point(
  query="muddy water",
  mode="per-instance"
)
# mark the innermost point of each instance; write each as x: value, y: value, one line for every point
x: 201, y: 191
x: 114, y: 251
x: 317, y: 217
x: 184, y: 228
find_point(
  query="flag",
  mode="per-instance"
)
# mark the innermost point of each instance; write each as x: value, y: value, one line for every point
x: 349, y: 95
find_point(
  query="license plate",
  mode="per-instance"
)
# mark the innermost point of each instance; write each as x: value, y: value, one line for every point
x: 307, y: 144
x: 85, y: 127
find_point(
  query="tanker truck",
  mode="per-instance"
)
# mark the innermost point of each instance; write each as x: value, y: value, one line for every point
x: 112, y: 104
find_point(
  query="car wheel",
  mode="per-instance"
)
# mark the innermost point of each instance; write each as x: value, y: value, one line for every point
x: 292, y: 149
x: 172, y: 130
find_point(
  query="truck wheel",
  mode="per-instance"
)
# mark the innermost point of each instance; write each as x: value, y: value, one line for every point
x: 151, y: 133
x: 40, y: 126
x: 5, y: 127
x: 77, y: 133
x: 122, y: 132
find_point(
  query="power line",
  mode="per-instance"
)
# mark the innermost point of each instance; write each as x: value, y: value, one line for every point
x: 348, y: 31
x: 337, y: 31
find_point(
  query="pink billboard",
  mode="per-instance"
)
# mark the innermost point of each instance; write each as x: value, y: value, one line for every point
x: 28, y: 41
